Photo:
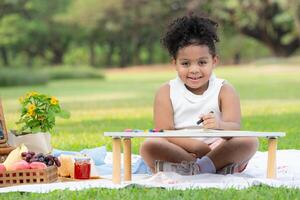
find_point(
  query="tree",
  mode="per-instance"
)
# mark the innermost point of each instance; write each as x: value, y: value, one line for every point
x: 49, y: 33
x: 10, y: 35
x: 266, y: 21
x: 294, y: 7
x: 122, y: 27
x: 29, y: 26
x: 10, y: 27
x: 90, y: 16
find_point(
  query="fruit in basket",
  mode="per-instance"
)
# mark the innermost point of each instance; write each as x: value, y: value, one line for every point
x: 48, y: 160
x: 57, y: 162
x: 20, y: 165
x: 14, y: 156
x: 38, y: 165
x: 2, y: 168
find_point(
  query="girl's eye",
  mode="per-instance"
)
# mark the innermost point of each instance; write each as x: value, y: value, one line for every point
x: 202, y: 62
x: 185, y: 64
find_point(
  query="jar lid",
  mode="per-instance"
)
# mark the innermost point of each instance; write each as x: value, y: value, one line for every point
x: 81, y: 159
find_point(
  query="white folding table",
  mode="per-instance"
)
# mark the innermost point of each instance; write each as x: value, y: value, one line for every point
x: 193, y: 133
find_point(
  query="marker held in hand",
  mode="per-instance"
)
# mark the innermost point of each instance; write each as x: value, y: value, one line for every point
x: 201, y: 120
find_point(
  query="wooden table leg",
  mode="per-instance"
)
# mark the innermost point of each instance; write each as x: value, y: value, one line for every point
x: 116, y: 178
x: 272, y: 147
x: 127, y: 159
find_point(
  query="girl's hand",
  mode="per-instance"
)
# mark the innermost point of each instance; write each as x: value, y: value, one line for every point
x: 211, y: 121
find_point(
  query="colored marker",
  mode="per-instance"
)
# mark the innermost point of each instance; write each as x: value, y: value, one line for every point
x: 201, y: 120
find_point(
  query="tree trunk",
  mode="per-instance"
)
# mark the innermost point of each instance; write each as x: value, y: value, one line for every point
x: 58, y: 56
x: 30, y: 57
x: 265, y: 30
x: 124, y: 55
x: 283, y: 50
x: 273, y: 43
x: 295, y: 7
x: 123, y: 58
x: 109, y: 55
x: 237, y: 58
x: 4, y: 56
x: 150, y: 51
x: 136, y: 58
x: 92, y: 53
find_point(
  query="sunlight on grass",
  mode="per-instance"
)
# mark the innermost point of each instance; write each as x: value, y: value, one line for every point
x: 270, y: 107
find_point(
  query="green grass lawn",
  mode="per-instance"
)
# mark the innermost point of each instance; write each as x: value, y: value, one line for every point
x: 270, y: 99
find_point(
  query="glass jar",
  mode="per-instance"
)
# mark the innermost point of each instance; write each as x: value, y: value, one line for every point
x: 82, y: 168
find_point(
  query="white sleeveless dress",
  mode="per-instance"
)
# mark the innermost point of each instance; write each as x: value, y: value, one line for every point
x: 187, y: 106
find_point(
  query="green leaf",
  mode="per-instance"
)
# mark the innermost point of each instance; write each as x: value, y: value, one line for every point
x: 35, y: 129
x: 64, y: 114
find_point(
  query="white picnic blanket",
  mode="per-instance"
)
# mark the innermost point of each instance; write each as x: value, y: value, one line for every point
x: 288, y: 175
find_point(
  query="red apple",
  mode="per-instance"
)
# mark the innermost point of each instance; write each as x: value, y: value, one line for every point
x: 2, y: 168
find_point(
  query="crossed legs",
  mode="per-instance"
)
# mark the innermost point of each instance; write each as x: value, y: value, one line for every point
x: 233, y: 150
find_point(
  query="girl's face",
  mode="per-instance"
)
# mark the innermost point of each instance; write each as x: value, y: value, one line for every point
x: 194, y: 65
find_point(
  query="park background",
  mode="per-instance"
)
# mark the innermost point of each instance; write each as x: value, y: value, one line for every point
x: 103, y: 60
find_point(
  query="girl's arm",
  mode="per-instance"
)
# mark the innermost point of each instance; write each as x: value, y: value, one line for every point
x: 229, y: 102
x: 230, y: 108
x: 163, y: 111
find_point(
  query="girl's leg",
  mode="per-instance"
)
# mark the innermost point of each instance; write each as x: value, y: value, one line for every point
x: 196, y: 147
x: 237, y: 150
x: 161, y: 149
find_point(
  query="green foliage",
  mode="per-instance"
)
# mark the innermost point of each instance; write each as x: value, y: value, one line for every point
x: 16, y: 76
x: 30, y: 27
x: 77, y: 56
x: 126, y: 32
x: 11, y: 30
x: 247, y: 48
x: 38, y: 112
x: 125, y: 29
x: 88, y: 13
x: 270, y: 22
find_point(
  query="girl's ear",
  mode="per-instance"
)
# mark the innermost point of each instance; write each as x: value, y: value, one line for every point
x: 173, y: 61
x: 215, y: 61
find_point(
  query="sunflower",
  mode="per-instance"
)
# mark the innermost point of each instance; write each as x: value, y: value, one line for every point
x: 54, y: 101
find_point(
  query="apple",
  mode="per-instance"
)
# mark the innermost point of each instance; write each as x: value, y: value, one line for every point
x: 2, y: 168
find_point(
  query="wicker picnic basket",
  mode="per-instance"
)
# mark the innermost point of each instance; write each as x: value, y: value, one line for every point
x: 28, y: 176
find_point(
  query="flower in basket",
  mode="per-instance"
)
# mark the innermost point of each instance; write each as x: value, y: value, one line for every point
x: 38, y: 112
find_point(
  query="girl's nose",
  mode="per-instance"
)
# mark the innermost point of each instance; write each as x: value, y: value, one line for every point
x: 194, y: 69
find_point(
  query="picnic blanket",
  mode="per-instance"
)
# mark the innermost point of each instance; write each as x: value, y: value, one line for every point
x: 288, y: 175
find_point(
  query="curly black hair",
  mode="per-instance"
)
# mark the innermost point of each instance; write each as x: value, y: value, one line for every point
x: 188, y: 30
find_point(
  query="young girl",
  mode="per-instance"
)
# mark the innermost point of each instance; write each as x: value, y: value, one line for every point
x: 196, y: 94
